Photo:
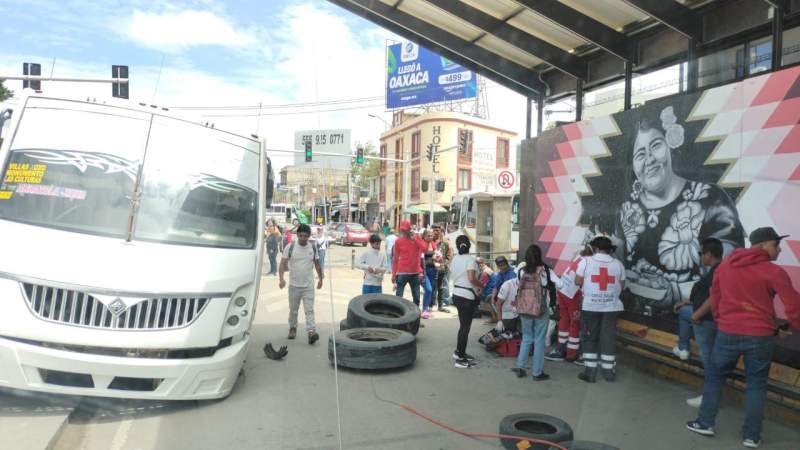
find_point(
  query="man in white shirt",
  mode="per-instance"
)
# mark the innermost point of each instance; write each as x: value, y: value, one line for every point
x: 505, y: 296
x: 390, y: 238
x: 373, y: 263
x: 300, y: 257
x: 322, y: 246
x: 602, y: 279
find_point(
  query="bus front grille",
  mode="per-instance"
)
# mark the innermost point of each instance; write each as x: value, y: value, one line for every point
x: 82, y: 309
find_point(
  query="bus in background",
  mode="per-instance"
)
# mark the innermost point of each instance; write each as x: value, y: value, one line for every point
x: 132, y: 250
x: 465, y: 219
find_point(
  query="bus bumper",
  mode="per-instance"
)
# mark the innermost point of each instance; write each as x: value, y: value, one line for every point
x: 35, y: 368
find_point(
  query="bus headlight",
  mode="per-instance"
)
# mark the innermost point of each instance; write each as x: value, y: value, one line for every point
x: 233, y: 320
x: 240, y: 301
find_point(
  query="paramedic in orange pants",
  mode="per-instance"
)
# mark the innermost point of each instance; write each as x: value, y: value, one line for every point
x: 569, y: 307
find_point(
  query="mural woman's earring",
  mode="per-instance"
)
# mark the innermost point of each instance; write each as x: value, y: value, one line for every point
x: 636, y: 190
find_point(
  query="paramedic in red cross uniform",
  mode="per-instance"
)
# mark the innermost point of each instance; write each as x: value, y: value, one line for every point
x: 602, y: 278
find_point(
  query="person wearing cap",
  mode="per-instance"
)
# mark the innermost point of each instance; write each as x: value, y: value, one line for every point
x: 742, y: 295
x: 373, y: 263
x: 503, y: 273
x: 407, y: 262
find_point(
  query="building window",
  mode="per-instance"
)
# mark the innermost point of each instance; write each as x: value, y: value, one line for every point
x: 503, y: 150
x: 382, y: 189
x: 464, y: 179
x: 398, y: 149
x: 383, y: 155
x: 760, y: 56
x: 415, y: 184
x: 416, y: 140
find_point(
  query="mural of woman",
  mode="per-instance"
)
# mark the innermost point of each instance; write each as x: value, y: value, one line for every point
x: 665, y: 216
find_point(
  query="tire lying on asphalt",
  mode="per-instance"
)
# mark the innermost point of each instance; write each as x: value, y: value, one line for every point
x: 343, y: 325
x: 383, y: 311
x: 534, y: 426
x: 585, y: 445
x: 373, y: 348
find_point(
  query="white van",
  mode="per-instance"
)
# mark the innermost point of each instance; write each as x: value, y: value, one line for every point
x: 131, y: 251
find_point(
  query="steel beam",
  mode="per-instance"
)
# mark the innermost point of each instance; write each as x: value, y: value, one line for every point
x: 777, y: 34
x: 578, y: 100
x: 672, y: 14
x: 549, y: 53
x: 518, y: 78
x: 628, y: 85
x: 584, y: 26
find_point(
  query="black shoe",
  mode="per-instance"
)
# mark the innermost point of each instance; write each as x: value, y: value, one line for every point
x: 577, y: 361
x: 292, y: 332
x: 312, y: 337
x: 520, y: 372
x: 588, y: 375
x: 464, y: 364
x: 541, y: 377
x: 466, y: 356
x: 610, y: 375
x: 555, y: 355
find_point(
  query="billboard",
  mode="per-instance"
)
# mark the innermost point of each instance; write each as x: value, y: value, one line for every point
x: 415, y: 76
x: 721, y: 163
x: 324, y: 141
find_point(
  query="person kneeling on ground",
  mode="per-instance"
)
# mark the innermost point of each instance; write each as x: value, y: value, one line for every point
x: 373, y: 263
x: 530, y: 295
x: 463, y: 271
x: 299, y: 257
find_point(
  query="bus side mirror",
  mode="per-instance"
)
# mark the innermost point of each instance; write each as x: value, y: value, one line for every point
x: 270, y: 188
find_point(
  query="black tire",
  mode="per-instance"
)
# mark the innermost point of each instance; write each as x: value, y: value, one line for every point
x: 383, y: 311
x: 363, y: 244
x: 343, y: 325
x: 535, y: 426
x: 586, y: 445
x: 373, y: 348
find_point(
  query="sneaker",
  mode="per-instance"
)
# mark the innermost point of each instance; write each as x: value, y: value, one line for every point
x: 426, y: 314
x: 541, y: 377
x: 554, y: 355
x: 292, y: 332
x: 578, y: 361
x: 464, y: 364
x: 682, y: 354
x: 699, y: 428
x: 751, y: 443
x: 520, y: 372
x: 312, y: 337
x: 466, y: 356
x: 444, y: 310
x: 695, y: 402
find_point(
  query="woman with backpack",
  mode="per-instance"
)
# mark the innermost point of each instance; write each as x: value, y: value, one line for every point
x: 464, y: 273
x: 531, y: 294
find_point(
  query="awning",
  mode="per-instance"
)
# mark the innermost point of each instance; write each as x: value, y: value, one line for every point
x: 425, y: 208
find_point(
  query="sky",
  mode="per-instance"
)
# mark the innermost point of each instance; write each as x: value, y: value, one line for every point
x: 215, y: 53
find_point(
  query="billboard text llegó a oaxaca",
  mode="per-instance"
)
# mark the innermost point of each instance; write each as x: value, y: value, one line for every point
x: 416, y: 76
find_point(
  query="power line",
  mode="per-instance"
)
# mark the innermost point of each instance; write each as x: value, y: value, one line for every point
x: 311, y: 111
x: 283, y: 105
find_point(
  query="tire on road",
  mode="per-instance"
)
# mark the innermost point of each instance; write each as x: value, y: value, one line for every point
x: 343, y: 325
x: 585, y: 445
x: 373, y: 348
x: 534, y: 426
x: 383, y: 311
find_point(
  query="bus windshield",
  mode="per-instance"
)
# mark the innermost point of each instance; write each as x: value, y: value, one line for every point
x: 198, y: 186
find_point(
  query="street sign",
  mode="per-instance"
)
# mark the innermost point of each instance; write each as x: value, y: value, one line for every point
x: 506, y: 179
x: 324, y: 141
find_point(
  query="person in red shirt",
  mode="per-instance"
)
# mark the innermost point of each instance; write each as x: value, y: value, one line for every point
x: 742, y: 296
x: 407, y: 262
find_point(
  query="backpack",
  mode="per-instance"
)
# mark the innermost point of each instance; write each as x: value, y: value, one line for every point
x: 313, y: 247
x: 530, y: 296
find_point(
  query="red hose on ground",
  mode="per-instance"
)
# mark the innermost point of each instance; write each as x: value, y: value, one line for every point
x: 479, y: 435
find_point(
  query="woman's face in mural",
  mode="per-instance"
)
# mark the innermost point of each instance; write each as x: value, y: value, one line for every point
x: 652, y: 163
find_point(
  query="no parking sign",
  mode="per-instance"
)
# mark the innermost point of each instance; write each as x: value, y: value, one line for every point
x: 506, y: 179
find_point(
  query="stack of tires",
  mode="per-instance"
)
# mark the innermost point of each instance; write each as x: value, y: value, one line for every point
x: 378, y: 333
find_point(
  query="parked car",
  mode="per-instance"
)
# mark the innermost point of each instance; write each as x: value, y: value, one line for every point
x: 350, y: 233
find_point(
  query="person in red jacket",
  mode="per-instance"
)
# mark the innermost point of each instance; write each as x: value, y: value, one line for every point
x: 742, y: 296
x: 407, y: 262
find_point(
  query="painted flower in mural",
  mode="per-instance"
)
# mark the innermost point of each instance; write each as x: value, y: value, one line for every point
x: 673, y: 132
x: 667, y: 116
x: 679, y: 246
x: 695, y: 191
x: 633, y: 223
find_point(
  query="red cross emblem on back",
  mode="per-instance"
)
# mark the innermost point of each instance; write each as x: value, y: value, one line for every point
x: 603, y: 279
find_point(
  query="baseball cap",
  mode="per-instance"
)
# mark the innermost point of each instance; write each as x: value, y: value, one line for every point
x: 765, y: 234
x: 501, y: 260
x: 405, y: 225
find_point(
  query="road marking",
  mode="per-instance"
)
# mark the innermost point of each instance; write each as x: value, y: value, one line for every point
x: 121, y: 435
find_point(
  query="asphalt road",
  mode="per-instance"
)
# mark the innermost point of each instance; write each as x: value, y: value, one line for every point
x: 292, y: 404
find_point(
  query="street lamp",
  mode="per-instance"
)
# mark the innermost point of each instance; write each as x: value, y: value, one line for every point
x: 388, y: 126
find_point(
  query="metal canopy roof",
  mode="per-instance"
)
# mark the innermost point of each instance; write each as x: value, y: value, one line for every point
x: 514, y: 41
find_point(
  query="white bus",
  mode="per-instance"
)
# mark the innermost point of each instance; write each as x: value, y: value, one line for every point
x: 132, y: 246
x: 464, y: 217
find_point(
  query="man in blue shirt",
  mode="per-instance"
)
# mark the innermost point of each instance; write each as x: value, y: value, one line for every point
x: 503, y: 273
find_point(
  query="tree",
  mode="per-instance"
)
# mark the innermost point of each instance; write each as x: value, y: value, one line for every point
x: 5, y: 93
x: 369, y: 170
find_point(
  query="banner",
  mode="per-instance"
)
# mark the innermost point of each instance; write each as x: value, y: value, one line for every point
x: 416, y: 76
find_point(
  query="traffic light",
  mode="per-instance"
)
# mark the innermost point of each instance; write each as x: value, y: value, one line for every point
x: 360, y: 155
x: 424, y: 185
x: 33, y: 69
x: 119, y: 90
x: 463, y: 140
x: 308, y: 151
